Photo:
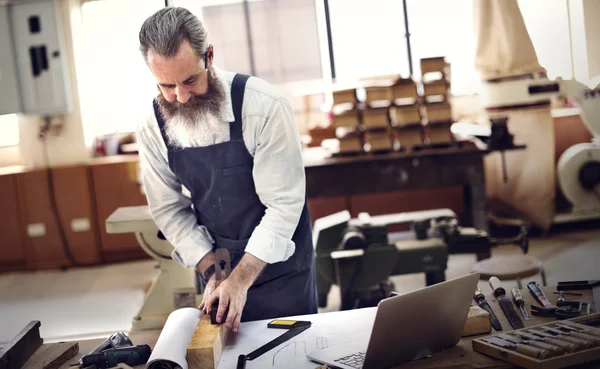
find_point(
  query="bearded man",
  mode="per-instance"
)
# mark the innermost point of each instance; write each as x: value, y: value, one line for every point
x: 231, y: 141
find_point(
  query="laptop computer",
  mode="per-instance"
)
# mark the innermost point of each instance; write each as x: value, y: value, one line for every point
x: 408, y: 327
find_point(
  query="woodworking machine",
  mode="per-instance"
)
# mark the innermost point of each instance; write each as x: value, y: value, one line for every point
x: 360, y: 254
x: 578, y: 168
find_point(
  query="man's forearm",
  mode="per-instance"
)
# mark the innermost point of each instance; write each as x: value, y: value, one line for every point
x: 248, y: 269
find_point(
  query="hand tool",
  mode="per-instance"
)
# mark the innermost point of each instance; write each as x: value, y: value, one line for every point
x: 523, y: 349
x: 505, y: 303
x: 18, y: 350
x: 536, y: 291
x: 134, y: 355
x: 567, y: 337
x: 553, y: 350
x: 577, y: 285
x: 222, y: 271
x: 577, y: 343
x: 566, y: 346
x: 520, y: 302
x: 583, y: 335
x: 568, y: 293
x: 480, y: 299
x: 294, y: 327
x: 579, y: 327
x: 116, y: 340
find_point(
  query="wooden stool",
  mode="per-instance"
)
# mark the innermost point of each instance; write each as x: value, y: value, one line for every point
x: 510, y: 268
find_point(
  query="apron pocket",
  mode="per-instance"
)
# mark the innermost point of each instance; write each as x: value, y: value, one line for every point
x: 236, y: 170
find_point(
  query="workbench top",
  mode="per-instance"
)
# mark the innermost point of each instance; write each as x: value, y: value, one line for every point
x: 334, y: 328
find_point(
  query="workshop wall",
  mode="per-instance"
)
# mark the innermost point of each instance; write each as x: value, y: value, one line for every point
x: 68, y: 146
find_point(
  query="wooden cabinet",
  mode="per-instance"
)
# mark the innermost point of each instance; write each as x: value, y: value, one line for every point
x: 12, y: 243
x: 44, y: 245
x: 115, y: 185
x: 74, y: 200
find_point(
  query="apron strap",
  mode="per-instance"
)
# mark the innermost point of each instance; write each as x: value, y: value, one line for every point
x: 238, y: 85
x: 161, y: 123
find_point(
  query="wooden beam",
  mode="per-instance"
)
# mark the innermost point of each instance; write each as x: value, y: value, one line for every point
x: 207, y: 343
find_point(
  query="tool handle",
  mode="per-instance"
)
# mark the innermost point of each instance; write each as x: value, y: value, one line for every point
x: 517, y: 295
x: 568, y: 347
x: 478, y: 295
x: 534, y: 287
x: 533, y: 352
x: 241, y: 364
x: 554, y: 350
x: 497, y: 286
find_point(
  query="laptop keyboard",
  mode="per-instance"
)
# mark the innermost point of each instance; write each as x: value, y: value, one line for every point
x: 354, y: 360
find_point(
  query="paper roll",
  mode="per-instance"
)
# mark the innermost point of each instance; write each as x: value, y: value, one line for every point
x: 171, y: 348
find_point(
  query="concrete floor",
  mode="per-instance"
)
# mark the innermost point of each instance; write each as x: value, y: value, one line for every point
x: 98, y: 301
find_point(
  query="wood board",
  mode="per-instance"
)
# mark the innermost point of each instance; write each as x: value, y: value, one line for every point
x: 52, y: 355
x: 206, y: 346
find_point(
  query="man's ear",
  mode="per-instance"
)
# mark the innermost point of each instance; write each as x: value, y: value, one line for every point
x: 208, y: 56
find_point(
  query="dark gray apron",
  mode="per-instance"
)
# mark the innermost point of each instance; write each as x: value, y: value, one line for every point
x: 219, y: 178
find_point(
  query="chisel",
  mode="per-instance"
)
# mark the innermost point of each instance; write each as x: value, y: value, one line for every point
x: 505, y: 303
x: 575, y: 333
x: 579, y: 327
x: 539, y: 342
x: 566, y: 346
x: 577, y: 343
x: 523, y: 349
x: 520, y: 302
x: 568, y: 337
x: 480, y: 299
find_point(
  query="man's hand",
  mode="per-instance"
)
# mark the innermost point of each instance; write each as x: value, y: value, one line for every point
x: 208, y: 290
x: 232, y: 292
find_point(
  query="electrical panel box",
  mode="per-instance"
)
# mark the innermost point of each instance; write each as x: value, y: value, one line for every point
x: 10, y: 95
x: 40, y: 57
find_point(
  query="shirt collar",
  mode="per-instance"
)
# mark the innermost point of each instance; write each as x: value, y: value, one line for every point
x: 228, y: 108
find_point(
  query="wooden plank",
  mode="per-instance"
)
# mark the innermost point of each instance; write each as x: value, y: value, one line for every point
x: 478, y: 322
x: 19, y: 349
x: 52, y: 356
x: 207, y: 343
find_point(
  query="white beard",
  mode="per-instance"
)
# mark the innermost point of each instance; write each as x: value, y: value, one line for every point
x: 203, y: 130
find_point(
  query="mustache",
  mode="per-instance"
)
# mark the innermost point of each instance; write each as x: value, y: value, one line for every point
x: 197, y: 105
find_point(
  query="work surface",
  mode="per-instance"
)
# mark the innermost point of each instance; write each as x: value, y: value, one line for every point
x: 336, y: 328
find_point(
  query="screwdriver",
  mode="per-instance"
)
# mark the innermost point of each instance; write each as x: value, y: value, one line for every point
x: 133, y: 355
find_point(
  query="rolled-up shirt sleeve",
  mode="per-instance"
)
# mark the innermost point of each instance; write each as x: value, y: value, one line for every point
x: 280, y: 185
x: 170, y: 208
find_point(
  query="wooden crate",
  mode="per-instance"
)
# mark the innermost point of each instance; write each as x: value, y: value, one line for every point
x: 350, y: 145
x: 376, y: 117
x: 436, y: 64
x: 348, y: 118
x: 378, y: 93
x: 438, y: 111
x: 406, y: 114
x: 405, y: 89
x: 439, y: 133
x: 345, y: 97
x: 410, y: 136
x: 380, y: 141
x: 553, y: 362
x: 435, y: 87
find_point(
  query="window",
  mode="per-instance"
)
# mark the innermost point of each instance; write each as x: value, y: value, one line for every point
x: 547, y: 23
x: 368, y: 39
x: 284, y: 37
x: 9, y: 126
x: 114, y: 82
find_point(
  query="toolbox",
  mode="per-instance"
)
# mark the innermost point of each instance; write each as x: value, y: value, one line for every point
x: 552, y: 345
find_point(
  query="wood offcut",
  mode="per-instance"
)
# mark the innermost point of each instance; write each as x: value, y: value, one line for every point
x: 206, y: 346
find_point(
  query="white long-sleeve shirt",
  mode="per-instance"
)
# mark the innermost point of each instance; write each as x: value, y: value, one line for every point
x: 272, y: 138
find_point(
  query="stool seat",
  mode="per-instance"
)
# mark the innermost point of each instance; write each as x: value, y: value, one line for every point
x: 508, y: 267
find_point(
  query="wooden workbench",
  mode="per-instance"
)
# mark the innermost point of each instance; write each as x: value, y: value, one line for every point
x: 395, y: 171
x: 460, y: 356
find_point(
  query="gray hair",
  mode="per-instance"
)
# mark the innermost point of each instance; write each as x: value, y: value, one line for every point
x: 167, y: 28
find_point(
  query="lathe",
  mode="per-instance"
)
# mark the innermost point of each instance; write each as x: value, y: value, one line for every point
x: 359, y: 255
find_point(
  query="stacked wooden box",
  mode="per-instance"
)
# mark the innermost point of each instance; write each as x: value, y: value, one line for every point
x: 376, y: 118
x: 436, y: 109
x: 406, y: 115
x: 346, y: 120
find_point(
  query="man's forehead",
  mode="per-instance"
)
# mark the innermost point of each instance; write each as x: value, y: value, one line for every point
x: 185, y: 55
